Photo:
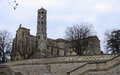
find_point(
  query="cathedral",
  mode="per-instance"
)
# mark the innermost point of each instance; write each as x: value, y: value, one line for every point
x: 27, y: 46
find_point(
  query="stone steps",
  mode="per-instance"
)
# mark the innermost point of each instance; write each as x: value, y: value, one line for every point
x: 97, y: 66
x: 5, y: 70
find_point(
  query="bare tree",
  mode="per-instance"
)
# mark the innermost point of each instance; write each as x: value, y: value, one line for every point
x: 5, y: 45
x: 26, y: 49
x: 77, y: 35
x: 113, y: 41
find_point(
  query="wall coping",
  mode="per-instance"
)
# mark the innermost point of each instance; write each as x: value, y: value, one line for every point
x: 65, y: 59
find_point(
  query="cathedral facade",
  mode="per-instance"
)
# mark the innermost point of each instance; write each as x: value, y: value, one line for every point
x: 27, y: 46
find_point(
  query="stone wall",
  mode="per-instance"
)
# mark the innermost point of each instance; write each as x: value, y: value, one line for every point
x: 54, y: 66
x: 56, y: 69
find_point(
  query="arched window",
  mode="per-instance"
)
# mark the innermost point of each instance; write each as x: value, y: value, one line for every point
x: 41, y: 22
x: 42, y: 12
x: 41, y: 29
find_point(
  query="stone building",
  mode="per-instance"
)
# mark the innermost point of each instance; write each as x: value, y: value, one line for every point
x: 26, y: 45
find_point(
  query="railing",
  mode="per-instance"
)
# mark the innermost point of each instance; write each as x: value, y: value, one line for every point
x: 69, y: 59
x: 95, y: 66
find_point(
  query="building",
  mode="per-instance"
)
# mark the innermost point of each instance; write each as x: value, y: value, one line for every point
x: 27, y: 46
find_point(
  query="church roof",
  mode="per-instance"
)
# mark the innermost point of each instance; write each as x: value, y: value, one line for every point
x: 60, y: 40
x: 22, y: 28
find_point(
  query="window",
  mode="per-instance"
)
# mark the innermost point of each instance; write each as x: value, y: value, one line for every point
x: 41, y: 22
x: 51, y: 51
x: 64, y: 53
x: 41, y: 16
x: 70, y: 52
x: 41, y: 29
x: 38, y: 37
x: 57, y: 52
x: 42, y: 12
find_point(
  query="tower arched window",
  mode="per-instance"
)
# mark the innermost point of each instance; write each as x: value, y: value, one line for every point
x: 41, y: 29
x: 41, y: 22
x: 41, y: 16
x: 42, y: 12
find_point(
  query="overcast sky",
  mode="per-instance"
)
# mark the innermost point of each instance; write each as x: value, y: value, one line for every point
x: 102, y: 14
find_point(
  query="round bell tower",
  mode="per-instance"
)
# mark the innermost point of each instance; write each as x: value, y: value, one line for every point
x: 41, y: 31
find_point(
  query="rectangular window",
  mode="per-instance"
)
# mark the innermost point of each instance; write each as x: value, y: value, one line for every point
x: 57, y: 52
x: 64, y: 53
x: 51, y: 51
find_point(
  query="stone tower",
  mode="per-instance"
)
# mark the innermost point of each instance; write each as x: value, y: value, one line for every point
x: 41, y: 31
